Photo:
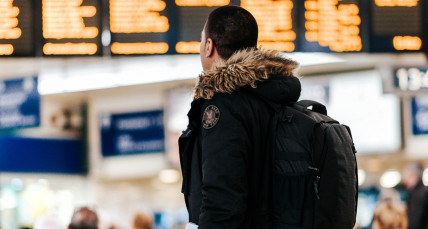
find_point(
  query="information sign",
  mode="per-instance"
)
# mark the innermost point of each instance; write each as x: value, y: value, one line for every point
x: 147, y: 27
x: 71, y: 27
x: 396, y: 25
x: 132, y: 133
x: 420, y: 115
x: 331, y: 26
x: 139, y: 27
x: 19, y: 103
x: 16, y: 28
x: 411, y: 78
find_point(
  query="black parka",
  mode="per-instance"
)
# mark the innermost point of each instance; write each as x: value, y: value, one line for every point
x: 226, y: 165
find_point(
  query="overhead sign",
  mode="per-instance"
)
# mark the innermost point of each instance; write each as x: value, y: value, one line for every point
x: 132, y: 133
x: 420, y: 115
x: 276, y: 21
x: 139, y: 27
x: 331, y: 26
x: 19, y: 103
x: 41, y: 155
x: 396, y: 25
x: 144, y: 27
x: 16, y: 28
x: 411, y: 78
x: 71, y: 27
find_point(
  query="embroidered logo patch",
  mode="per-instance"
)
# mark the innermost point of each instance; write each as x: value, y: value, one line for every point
x: 211, y: 117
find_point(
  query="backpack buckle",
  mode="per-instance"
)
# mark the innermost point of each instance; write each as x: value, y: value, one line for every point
x: 314, y: 169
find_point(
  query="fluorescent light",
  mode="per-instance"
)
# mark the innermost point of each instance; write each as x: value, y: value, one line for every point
x: 313, y: 58
x: 140, y: 70
x: 361, y: 176
x: 425, y: 177
x: 169, y: 176
x: 390, y: 178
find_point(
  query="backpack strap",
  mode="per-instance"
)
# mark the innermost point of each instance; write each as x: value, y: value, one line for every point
x: 316, y: 106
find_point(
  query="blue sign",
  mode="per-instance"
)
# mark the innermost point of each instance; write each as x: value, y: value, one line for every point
x: 420, y: 115
x: 37, y: 155
x: 19, y: 103
x: 132, y: 133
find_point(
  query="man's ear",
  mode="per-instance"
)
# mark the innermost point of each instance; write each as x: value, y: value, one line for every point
x: 209, y: 48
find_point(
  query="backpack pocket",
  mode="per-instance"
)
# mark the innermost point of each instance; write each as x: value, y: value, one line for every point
x: 292, y: 184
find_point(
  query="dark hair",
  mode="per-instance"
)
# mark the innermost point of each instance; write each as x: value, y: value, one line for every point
x: 231, y: 28
x: 84, y: 218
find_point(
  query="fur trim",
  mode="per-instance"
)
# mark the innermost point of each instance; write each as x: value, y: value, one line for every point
x: 245, y: 67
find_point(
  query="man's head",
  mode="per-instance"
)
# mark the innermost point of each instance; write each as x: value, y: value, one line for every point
x: 413, y: 175
x: 84, y: 218
x: 227, y: 30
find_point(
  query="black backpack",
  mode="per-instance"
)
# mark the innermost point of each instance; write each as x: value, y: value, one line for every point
x: 315, y: 177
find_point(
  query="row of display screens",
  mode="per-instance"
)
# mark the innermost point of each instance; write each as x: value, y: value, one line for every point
x: 128, y: 27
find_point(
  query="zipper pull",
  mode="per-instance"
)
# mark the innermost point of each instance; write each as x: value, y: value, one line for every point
x: 316, y: 182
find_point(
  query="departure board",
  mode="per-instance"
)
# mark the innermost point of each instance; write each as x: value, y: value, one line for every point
x: 139, y: 27
x: 396, y: 25
x: 274, y: 18
x: 71, y: 27
x: 330, y: 26
x: 16, y: 28
x: 147, y: 27
x: 192, y: 15
x: 425, y: 27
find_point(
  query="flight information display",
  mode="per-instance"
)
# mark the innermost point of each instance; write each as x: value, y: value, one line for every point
x: 16, y: 28
x: 146, y: 27
x: 274, y: 18
x: 192, y: 15
x: 396, y: 25
x: 139, y: 27
x: 276, y: 21
x: 71, y: 27
x: 331, y: 26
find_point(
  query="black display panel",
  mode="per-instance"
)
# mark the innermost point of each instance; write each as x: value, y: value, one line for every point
x: 146, y: 27
x: 191, y: 17
x: 425, y: 27
x: 139, y: 27
x: 177, y: 24
x: 276, y: 21
x: 396, y: 26
x: 71, y: 27
x: 16, y: 28
x: 330, y: 26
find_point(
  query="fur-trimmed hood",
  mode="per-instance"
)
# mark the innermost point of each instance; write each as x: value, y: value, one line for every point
x: 265, y: 72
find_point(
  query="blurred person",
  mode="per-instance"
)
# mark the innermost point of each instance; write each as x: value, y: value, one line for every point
x: 84, y: 218
x: 390, y: 195
x: 49, y: 221
x: 389, y: 215
x: 142, y: 221
x: 223, y: 152
x: 417, y: 197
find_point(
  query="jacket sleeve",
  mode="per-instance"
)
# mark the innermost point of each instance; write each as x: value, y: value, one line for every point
x: 224, y: 158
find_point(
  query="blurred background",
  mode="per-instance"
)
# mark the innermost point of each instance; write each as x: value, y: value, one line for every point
x: 94, y: 94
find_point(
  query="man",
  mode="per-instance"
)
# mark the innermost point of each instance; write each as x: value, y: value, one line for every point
x: 84, y: 218
x: 224, y: 152
x: 417, y: 197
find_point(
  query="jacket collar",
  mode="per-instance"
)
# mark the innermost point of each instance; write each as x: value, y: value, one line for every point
x: 244, y: 68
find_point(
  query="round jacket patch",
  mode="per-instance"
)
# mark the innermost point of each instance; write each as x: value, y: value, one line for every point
x: 211, y: 117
